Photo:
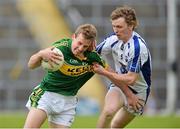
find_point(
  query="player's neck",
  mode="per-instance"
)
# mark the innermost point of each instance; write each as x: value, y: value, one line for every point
x: 127, y: 38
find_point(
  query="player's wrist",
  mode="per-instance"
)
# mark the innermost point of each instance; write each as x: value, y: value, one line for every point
x: 40, y: 55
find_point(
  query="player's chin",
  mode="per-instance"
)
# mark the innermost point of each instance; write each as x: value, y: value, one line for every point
x: 119, y: 36
x: 76, y: 53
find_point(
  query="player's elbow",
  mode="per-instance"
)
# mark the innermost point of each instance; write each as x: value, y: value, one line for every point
x: 30, y: 66
x: 132, y: 82
x: 132, y: 78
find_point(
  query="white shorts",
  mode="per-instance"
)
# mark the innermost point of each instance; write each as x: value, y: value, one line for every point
x: 126, y: 106
x: 60, y: 109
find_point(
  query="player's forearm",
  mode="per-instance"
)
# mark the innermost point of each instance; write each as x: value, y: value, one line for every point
x: 119, y: 79
x: 34, y: 61
x: 112, y: 76
x: 123, y: 86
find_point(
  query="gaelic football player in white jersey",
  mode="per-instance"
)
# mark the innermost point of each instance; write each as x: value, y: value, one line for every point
x: 131, y: 78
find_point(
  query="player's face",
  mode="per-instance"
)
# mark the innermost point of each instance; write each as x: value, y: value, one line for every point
x: 80, y: 44
x: 121, y: 29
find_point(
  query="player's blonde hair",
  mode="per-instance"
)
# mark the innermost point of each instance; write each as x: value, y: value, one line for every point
x: 127, y: 13
x: 89, y: 31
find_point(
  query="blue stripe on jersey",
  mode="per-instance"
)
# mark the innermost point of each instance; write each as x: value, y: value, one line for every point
x: 146, y: 71
x: 112, y: 45
x: 147, y: 93
x: 134, y: 67
x: 99, y: 47
x: 142, y: 40
x: 146, y: 68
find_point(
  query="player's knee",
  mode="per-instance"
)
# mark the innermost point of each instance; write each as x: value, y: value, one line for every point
x: 109, y: 113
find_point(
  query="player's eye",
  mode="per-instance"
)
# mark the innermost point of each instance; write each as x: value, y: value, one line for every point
x: 85, y: 46
x: 79, y: 43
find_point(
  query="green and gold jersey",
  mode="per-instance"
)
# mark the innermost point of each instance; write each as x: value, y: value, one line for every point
x: 73, y: 74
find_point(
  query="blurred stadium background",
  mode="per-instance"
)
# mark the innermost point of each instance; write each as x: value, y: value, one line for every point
x: 29, y: 25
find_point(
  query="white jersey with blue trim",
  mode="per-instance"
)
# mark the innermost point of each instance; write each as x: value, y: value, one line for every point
x: 131, y: 56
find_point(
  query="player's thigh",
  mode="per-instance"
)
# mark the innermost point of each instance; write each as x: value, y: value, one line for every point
x: 113, y: 100
x: 35, y: 118
x: 64, y: 110
x: 122, y: 118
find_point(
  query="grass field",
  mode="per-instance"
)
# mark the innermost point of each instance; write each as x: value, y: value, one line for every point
x: 16, y: 120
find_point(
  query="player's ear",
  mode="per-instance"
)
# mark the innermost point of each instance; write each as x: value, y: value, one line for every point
x: 92, y: 46
x: 131, y: 27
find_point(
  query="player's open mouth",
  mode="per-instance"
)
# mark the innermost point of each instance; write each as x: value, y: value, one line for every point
x: 76, y: 52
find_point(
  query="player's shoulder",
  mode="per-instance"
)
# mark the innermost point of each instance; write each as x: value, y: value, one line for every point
x: 62, y: 43
x: 138, y: 37
x: 110, y: 39
x: 138, y: 41
x: 91, y: 53
x: 93, y: 56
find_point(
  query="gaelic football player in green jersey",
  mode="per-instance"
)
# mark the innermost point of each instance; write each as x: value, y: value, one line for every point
x: 55, y: 97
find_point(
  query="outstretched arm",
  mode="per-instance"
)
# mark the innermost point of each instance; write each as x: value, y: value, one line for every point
x: 122, y: 81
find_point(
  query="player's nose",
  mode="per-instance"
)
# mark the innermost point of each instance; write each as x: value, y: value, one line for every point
x: 80, y: 48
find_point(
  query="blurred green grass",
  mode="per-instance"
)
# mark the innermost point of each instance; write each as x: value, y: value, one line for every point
x: 16, y: 120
